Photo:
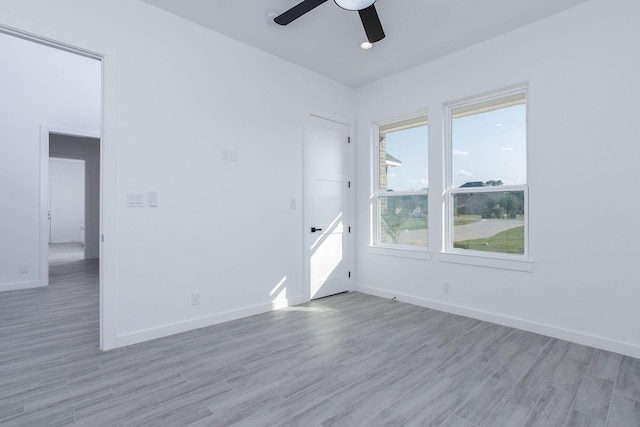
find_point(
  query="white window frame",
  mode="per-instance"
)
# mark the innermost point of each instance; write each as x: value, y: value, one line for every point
x: 375, y: 246
x: 449, y: 253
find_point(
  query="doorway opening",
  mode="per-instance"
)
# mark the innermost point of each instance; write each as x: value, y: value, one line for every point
x: 66, y: 209
x: 53, y: 90
x: 74, y: 196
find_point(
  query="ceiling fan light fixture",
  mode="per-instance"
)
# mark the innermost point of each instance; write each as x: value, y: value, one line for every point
x: 272, y: 13
x: 354, y: 4
x: 366, y: 45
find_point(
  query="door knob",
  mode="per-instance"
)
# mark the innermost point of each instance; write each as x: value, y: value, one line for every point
x: 313, y: 229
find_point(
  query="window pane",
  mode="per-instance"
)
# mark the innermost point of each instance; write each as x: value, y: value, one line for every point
x: 489, y: 143
x: 489, y: 221
x: 403, y: 219
x: 403, y: 157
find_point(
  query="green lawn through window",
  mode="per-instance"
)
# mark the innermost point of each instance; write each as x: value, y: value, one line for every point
x: 509, y: 241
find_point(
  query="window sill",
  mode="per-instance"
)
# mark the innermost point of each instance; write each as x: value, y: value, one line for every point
x: 401, y: 252
x: 525, y: 265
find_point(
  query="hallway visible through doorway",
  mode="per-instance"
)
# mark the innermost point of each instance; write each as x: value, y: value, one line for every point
x: 65, y: 252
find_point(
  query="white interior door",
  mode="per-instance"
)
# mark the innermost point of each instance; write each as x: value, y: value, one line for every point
x: 67, y: 199
x: 326, y: 213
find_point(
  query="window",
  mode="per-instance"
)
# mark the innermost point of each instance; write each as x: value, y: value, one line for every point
x: 402, y: 184
x: 487, y: 176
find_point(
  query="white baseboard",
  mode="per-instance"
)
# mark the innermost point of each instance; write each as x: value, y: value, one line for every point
x: 202, y: 322
x: 513, y: 322
x: 20, y: 285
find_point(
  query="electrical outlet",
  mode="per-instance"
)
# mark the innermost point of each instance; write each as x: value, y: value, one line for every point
x: 24, y: 268
x: 195, y: 298
x: 446, y: 288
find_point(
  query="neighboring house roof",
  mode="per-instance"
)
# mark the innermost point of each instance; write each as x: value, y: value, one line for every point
x: 472, y: 184
x: 392, y: 161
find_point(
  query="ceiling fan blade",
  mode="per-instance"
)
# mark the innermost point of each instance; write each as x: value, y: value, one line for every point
x: 297, y: 11
x: 371, y: 23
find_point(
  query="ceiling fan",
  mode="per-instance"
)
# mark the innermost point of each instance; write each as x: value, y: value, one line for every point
x: 366, y: 9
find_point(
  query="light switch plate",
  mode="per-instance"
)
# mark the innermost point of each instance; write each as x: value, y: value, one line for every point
x: 153, y: 198
x: 135, y: 200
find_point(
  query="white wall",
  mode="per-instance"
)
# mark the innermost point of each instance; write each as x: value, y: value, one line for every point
x: 66, y: 177
x: 87, y: 149
x: 176, y: 95
x: 582, y: 68
x: 39, y: 85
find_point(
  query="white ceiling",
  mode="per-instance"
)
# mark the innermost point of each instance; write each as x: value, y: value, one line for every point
x: 327, y: 39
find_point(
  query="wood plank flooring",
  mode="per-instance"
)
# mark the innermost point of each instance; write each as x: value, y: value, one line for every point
x: 347, y: 360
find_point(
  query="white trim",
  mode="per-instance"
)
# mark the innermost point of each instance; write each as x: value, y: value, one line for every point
x: 402, y: 118
x: 109, y: 201
x: 494, y: 189
x: 202, y: 322
x: 19, y: 30
x: 492, y: 95
x: 61, y: 130
x: 21, y: 285
x: 400, y: 251
x: 332, y: 118
x: 482, y: 259
x: 306, y: 208
x: 512, y: 322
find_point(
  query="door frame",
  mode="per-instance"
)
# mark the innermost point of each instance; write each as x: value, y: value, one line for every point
x: 349, y: 203
x: 45, y: 133
x: 88, y: 46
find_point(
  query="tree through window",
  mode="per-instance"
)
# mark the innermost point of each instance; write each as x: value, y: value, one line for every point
x: 402, y: 184
x: 487, y: 174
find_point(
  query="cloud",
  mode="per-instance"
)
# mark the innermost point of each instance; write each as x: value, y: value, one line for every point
x: 507, y: 149
x: 392, y: 175
x: 460, y: 153
x: 463, y: 172
x: 423, y: 182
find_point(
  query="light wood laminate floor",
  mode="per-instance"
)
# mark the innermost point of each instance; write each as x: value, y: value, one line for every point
x: 347, y: 360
